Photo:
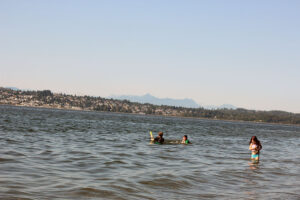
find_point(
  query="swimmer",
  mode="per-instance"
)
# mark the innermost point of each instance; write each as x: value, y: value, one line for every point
x: 254, y: 147
x: 185, y: 140
x: 159, y: 139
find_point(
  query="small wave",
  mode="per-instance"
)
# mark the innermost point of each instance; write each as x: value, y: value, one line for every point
x: 92, y: 192
x: 7, y: 120
x: 115, y: 162
x: 10, y: 141
x: 6, y: 160
x: 18, y: 193
x: 31, y: 130
x: 166, y: 183
x: 46, y: 152
x: 14, y: 153
x: 79, y: 153
x: 15, y: 198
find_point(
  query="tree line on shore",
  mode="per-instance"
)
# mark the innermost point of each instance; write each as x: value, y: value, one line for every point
x: 46, y: 97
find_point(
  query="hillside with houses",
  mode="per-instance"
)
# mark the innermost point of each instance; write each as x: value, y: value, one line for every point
x: 48, y: 99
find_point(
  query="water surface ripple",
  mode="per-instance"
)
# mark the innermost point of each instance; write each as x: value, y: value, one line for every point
x: 59, y: 154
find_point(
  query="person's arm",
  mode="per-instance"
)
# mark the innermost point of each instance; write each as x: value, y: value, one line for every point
x: 250, y: 148
x: 151, y: 136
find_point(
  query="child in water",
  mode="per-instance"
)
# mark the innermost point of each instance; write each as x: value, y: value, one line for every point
x: 185, y: 140
x: 159, y: 139
x: 254, y: 147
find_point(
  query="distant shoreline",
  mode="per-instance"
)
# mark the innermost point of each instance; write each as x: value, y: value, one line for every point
x: 137, y: 114
x: 47, y: 99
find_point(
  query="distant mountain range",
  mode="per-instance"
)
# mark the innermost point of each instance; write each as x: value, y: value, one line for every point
x: 148, y: 98
x: 187, y: 103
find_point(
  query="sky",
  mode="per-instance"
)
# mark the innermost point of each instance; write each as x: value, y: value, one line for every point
x: 244, y: 53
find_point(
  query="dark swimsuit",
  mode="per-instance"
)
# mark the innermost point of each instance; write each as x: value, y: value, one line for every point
x: 159, y: 140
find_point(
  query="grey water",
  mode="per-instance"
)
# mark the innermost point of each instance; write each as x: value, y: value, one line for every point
x: 60, y: 154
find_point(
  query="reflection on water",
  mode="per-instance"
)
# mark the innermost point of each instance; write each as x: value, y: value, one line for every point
x: 254, y: 165
x: 57, y: 154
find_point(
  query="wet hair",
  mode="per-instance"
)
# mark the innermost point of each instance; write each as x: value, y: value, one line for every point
x: 256, y: 141
x: 160, y: 134
x: 185, y: 136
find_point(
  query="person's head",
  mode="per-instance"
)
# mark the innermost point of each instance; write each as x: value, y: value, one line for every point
x: 254, y: 140
x: 185, y: 137
x: 160, y: 134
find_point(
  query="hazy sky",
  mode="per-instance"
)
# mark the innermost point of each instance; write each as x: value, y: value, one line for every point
x: 246, y: 53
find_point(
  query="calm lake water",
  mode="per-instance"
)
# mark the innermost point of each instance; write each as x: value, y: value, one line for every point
x: 58, y: 154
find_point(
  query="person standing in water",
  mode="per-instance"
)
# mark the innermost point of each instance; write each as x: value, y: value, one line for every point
x: 185, y: 140
x: 255, y: 146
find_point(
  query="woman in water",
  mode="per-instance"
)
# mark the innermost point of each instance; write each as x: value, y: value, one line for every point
x: 255, y: 147
x: 185, y: 140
